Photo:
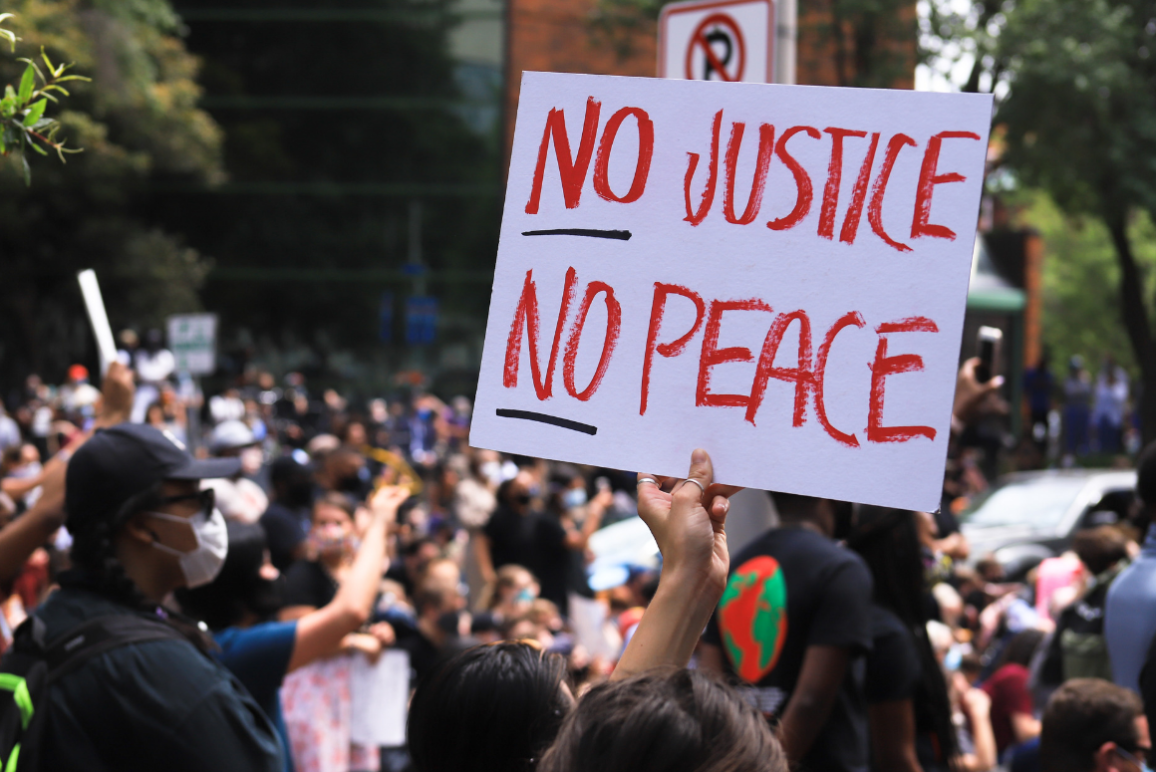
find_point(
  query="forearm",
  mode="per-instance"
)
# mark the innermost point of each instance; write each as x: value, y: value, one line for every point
x: 21, y: 537
x: 983, y: 739
x: 671, y: 627
x: 356, y: 594
x: 325, y: 631
x: 804, y: 718
x: 485, y: 561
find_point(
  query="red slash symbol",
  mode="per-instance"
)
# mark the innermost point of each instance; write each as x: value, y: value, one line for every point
x: 727, y: 32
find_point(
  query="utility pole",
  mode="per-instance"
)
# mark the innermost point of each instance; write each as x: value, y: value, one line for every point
x: 787, y: 29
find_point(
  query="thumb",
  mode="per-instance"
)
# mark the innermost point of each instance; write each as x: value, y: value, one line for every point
x: 702, y: 471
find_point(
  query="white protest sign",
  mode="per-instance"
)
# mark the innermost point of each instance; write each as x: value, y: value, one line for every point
x: 193, y: 341
x: 98, y: 317
x: 777, y: 274
x: 379, y: 697
x: 731, y: 41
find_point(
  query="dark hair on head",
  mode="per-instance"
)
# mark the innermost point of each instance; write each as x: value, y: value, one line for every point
x: 93, y: 550
x: 503, y: 493
x: 794, y: 505
x: 491, y: 708
x: 1146, y: 476
x: 1021, y: 648
x: 239, y: 588
x: 1082, y: 715
x: 971, y: 663
x: 286, y: 469
x: 680, y: 721
x: 415, y: 546
x: 335, y: 500
x: 431, y: 595
x: 888, y: 541
x: 1100, y: 548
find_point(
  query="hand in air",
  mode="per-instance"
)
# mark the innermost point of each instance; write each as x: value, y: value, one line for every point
x: 688, y: 522
x: 972, y: 398
x: 385, y: 501
x: 116, y: 396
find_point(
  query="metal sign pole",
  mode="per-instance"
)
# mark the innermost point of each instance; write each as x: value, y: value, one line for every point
x: 787, y: 29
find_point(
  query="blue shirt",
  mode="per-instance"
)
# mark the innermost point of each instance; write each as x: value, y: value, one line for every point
x: 259, y: 657
x: 1130, y: 616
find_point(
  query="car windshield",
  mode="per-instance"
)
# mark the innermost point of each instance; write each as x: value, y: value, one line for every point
x: 1038, y: 502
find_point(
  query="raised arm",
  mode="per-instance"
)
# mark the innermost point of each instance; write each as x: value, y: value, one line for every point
x: 23, y: 535
x: 320, y: 633
x: 689, y: 526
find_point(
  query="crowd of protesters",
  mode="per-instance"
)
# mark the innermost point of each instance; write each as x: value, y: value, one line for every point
x: 1082, y: 413
x: 868, y: 638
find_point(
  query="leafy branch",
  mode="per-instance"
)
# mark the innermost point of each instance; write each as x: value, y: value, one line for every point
x: 23, y: 124
x: 8, y: 35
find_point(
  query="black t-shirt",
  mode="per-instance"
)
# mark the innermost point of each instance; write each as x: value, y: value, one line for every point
x: 511, y: 537
x: 307, y: 583
x: 285, y: 529
x: 551, y: 560
x: 893, y: 670
x: 790, y: 589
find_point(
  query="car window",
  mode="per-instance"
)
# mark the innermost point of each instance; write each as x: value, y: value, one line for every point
x: 1039, y: 502
x: 1113, y: 507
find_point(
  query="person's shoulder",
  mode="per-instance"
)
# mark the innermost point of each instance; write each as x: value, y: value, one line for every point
x: 68, y: 607
x: 885, y: 623
x: 1139, y: 578
x: 1011, y: 673
x: 235, y: 640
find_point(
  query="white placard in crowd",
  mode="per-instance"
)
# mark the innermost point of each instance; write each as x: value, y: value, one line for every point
x: 777, y: 274
x: 193, y: 341
x: 379, y: 698
x: 98, y: 317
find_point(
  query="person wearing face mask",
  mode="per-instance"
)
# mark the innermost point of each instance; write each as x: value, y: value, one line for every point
x: 239, y: 604
x: 141, y: 529
x: 313, y: 695
x: 238, y: 497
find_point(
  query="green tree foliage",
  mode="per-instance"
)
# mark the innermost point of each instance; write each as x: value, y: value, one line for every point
x: 139, y: 125
x: 24, y: 126
x: 1080, y: 118
x: 1081, y: 281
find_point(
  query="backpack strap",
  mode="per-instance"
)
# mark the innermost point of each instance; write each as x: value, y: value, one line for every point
x: 102, y: 634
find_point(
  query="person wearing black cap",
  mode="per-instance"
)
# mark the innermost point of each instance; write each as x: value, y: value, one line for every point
x: 142, y: 528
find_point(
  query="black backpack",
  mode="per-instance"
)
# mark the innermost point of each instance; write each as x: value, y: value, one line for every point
x: 31, y: 665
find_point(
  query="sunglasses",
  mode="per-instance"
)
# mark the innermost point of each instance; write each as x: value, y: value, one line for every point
x: 207, y: 499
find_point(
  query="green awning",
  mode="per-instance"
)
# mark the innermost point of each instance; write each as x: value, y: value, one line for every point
x: 988, y: 290
x: 1006, y: 300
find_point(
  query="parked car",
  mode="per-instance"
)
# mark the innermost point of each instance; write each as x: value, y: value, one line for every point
x: 1029, y: 516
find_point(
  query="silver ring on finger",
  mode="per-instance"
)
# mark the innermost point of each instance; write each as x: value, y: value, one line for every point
x: 651, y: 480
x: 701, y: 487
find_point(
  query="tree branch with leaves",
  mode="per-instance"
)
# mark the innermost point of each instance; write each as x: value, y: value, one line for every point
x: 23, y: 123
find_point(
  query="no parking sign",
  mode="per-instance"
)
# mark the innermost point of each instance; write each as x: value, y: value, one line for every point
x: 728, y: 40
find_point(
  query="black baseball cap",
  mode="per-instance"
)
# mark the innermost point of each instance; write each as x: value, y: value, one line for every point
x: 125, y: 460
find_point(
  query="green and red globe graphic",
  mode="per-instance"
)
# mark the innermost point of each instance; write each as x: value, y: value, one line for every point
x: 753, y: 617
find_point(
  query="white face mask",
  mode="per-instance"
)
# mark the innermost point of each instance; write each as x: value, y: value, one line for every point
x: 203, y: 563
x: 251, y: 460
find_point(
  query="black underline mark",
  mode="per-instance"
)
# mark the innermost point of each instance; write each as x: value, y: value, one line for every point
x: 529, y: 415
x: 591, y: 232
